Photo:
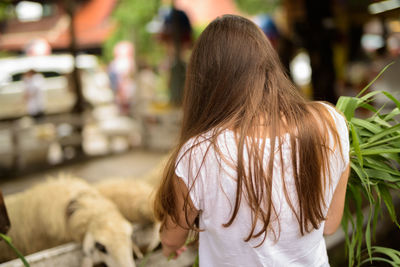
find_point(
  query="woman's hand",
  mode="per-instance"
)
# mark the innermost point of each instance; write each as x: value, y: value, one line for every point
x: 171, y: 253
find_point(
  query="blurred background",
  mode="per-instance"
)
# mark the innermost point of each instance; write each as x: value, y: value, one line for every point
x: 94, y: 87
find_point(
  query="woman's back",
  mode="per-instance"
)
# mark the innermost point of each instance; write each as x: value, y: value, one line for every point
x: 214, y: 194
x: 259, y: 162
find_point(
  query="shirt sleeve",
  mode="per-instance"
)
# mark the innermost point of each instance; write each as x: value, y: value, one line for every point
x: 339, y: 159
x: 343, y: 131
x: 190, y: 168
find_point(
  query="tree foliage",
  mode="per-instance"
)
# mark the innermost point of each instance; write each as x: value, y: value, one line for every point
x: 131, y: 18
x: 254, y: 7
x: 5, y: 10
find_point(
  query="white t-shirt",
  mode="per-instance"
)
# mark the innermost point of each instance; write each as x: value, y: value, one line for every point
x: 214, y: 194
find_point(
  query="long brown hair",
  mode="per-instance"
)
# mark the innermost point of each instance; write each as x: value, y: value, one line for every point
x: 235, y: 81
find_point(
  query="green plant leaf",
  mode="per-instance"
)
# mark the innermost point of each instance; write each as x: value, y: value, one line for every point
x: 370, y: 95
x: 377, y: 210
x: 381, y: 175
x: 393, y: 254
x: 372, y: 127
x: 378, y: 165
x: 362, y: 176
x: 8, y: 241
x: 387, y: 199
x: 394, y: 112
x: 357, y: 237
x: 347, y: 105
x: 368, y: 235
x: 377, y: 76
x: 382, y: 141
x: 391, y: 97
x: 393, y: 129
x: 356, y: 144
x: 145, y: 259
x: 381, y: 122
x: 394, y: 264
x: 367, y: 106
x: 347, y: 220
x: 380, y: 151
x: 196, y: 261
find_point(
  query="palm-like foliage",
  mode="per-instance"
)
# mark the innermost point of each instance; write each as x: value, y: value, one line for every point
x: 374, y: 161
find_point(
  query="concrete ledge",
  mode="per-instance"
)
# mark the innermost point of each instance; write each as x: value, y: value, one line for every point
x: 70, y: 255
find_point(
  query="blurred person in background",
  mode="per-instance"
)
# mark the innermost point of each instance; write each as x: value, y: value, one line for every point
x: 268, y: 26
x: 34, y: 97
x: 121, y: 71
x: 176, y: 33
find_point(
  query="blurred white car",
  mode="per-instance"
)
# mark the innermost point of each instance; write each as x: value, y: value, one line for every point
x: 56, y: 70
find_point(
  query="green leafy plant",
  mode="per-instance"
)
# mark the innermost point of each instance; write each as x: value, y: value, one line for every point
x: 374, y: 161
x: 7, y: 239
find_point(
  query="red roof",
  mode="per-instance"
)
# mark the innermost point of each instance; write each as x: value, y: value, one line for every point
x: 92, y: 22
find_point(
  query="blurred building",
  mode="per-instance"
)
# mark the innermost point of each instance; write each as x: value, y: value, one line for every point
x: 91, y: 19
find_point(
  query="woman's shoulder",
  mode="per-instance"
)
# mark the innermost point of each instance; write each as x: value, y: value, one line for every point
x: 207, y: 138
x: 327, y: 106
x: 336, y: 115
x: 195, y: 145
x: 202, y: 144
